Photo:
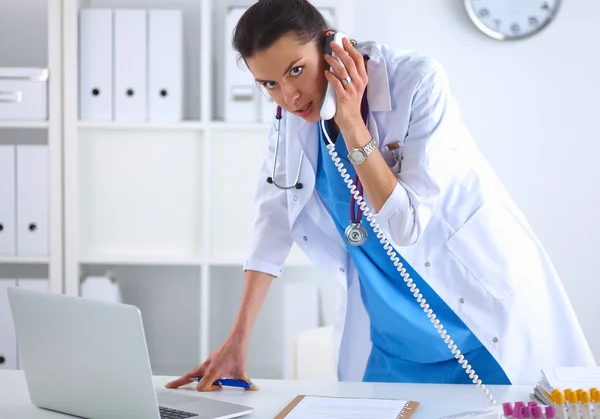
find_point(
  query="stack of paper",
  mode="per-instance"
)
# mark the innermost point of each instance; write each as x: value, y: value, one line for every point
x: 565, y: 377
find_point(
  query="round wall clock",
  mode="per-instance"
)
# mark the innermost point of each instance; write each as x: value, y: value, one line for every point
x: 511, y: 19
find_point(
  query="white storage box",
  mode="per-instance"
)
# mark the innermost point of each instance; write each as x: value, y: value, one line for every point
x: 23, y: 93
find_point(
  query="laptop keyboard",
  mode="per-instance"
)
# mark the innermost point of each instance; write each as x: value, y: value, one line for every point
x: 167, y: 413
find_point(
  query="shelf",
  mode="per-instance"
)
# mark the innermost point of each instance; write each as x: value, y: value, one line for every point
x: 166, y: 207
x: 37, y: 260
x: 296, y: 260
x: 301, y: 299
x: 25, y: 124
x: 140, y: 193
x: 226, y: 126
x: 181, y: 126
x: 139, y: 260
x: 110, y: 125
x: 168, y: 298
x: 235, y: 168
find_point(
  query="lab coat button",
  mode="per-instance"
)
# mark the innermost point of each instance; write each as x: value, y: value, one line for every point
x: 296, y: 198
x: 462, y: 300
x: 305, y: 238
x: 427, y: 264
x: 495, y: 339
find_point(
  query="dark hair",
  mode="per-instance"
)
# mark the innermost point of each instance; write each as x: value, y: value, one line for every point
x: 267, y: 20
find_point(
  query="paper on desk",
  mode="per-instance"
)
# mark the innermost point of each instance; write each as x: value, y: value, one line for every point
x: 490, y: 413
x: 342, y: 408
x: 572, y: 377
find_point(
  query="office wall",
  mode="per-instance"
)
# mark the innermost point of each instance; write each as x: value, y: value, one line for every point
x: 532, y: 107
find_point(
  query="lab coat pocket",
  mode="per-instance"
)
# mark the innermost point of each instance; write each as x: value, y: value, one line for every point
x: 392, y: 157
x: 496, y: 248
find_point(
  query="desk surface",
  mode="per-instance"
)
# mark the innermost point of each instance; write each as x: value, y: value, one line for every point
x: 274, y: 395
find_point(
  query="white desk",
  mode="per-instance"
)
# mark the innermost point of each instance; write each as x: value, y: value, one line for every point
x: 274, y: 395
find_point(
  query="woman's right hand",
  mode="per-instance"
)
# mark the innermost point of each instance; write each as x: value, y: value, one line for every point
x: 228, y: 361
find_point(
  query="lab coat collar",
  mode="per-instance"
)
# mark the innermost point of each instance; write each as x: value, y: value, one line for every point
x: 378, y: 90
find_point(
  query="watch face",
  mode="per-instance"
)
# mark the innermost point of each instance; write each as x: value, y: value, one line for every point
x: 357, y: 156
x: 511, y: 20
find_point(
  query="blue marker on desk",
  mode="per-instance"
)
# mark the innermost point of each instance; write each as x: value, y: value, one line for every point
x: 230, y: 382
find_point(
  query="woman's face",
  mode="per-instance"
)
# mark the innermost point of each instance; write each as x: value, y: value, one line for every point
x: 293, y: 74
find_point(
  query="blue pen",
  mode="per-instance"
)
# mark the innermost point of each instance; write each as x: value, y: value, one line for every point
x: 229, y: 382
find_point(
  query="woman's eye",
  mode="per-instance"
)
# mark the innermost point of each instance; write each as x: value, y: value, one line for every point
x: 296, y: 71
x: 270, y: 84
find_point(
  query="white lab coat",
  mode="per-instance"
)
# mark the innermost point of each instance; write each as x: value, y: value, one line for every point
x: 448, y: 216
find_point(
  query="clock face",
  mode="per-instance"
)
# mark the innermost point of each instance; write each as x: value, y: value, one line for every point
x: 511, y: 19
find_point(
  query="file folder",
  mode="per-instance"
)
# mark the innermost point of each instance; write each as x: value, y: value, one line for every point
x: 7, y: 201
x: 241, y: 94
x: 165, y: 65
x: 8, y: 339
x: 95, y: 64
x: 32, y: 200
x: 130, y: 46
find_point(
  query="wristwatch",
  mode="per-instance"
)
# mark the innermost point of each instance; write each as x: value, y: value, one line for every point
x: 358, y: 155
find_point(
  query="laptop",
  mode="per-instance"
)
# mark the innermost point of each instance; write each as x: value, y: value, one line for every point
x: 89, y: 358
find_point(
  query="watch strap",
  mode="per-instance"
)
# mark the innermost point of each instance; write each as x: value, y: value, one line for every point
x: 370, y: 147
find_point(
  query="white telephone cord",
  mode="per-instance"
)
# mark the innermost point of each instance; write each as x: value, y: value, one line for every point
x: 409, y: 282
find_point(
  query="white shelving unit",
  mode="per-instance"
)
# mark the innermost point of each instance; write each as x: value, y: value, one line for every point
x: 166, y: 207
x: 25, y: 124
x: 48, y: 46
x: 26, y: 260
x: 148, y: 126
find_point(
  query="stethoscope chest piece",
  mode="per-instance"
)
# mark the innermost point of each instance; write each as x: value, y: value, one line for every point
x: 356, y: 233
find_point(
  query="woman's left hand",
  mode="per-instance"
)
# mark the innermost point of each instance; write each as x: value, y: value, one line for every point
x: 349, y: 82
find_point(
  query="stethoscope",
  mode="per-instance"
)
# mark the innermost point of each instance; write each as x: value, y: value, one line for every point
x: 355, y: 233
x: 271, y: 179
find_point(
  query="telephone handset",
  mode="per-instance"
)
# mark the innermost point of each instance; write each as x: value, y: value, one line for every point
x: 328, y: 109
x: 328, y: 104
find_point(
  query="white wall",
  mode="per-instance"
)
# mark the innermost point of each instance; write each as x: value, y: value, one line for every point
x: 532, y: 106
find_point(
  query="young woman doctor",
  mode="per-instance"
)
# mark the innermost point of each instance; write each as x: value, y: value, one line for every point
x: 457, y: 233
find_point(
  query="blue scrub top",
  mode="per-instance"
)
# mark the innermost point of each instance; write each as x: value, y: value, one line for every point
x: 406, y: 346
